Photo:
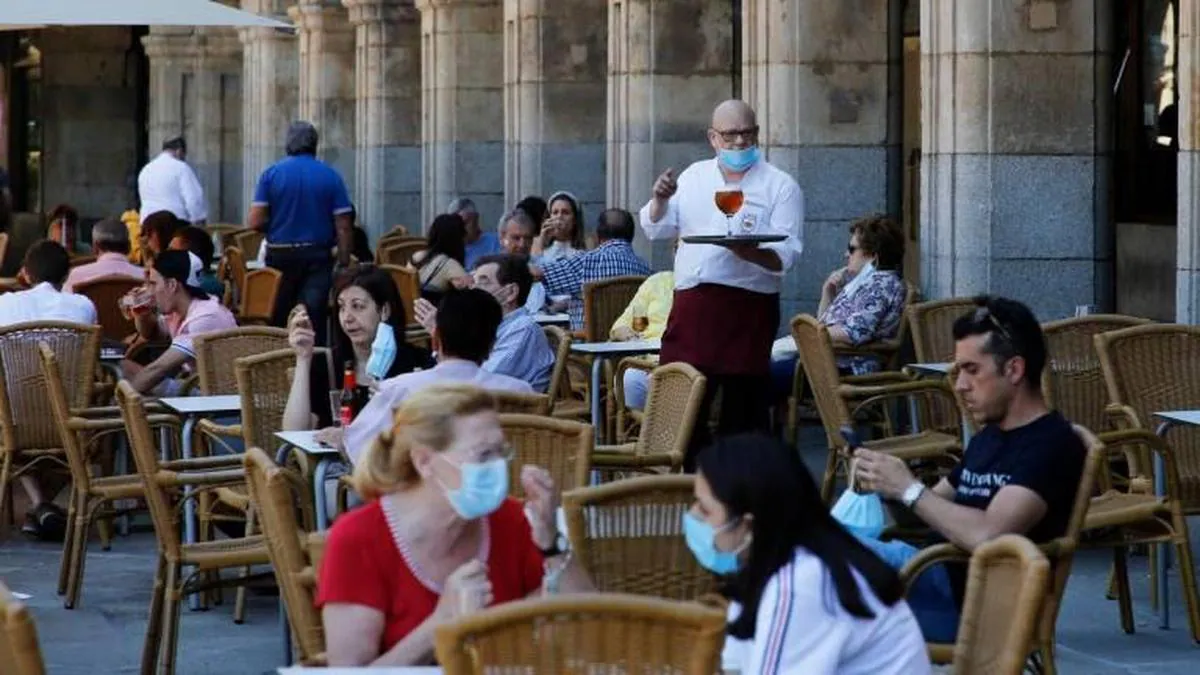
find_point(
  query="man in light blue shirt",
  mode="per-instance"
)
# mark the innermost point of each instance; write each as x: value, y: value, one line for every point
x: 521, y: 349
x: 479, y: 243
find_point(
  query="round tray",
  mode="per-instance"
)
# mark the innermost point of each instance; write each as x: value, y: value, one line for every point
x: 733, y: 239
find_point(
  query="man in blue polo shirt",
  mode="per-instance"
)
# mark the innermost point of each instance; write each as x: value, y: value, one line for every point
x: 302, y: 205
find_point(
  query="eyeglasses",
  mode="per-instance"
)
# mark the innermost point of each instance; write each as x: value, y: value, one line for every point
x: 983, y: 315
x: 731, y: 135
x: 505, y: 452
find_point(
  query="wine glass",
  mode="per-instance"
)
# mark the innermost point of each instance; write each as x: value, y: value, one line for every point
x: 729, y: 200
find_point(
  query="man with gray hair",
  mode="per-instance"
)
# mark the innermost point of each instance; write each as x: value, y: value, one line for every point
x: 517, y: 231
x: 302, y: 205
x: 110, y: 240
x: 479, y: 243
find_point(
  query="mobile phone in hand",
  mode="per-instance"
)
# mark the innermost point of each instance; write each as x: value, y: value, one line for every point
x: 853, y: 440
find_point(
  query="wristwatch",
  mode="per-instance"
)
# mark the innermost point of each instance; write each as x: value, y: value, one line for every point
x: 912, y: 493
x: 558, y: 547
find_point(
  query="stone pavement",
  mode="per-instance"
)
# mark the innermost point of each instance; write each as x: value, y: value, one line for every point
x: 103, y: 635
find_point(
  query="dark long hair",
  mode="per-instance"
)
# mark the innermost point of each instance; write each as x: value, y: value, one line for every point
x: 760, y: 476
x: 382, y: 288
x: 448, y: 236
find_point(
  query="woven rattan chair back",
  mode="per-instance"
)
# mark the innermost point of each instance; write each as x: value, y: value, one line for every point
x: 931, y: 324
x: 1073, y: 381
x: 820, y: 368
x: 400, y: 251
x: 524, y: 404
x: 248, y: 242
x: 263, y: 384
x: 106, y: 293
x: 273, y: 492
x: 672, y: 405
x: 217, y: 352
x: 1007, y: 580
x: 560, y: 379
x: 26, y: 419
x: 603, y: 303
x: 259, y: 291
x: 562, y: 447
x: 19, y: 650
x: 232, y: 271
x: 409, y: 285
x: 583, y: 633
x: 628, y: 535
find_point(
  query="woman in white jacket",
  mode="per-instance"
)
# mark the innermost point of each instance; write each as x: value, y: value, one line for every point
x: 806, y: 596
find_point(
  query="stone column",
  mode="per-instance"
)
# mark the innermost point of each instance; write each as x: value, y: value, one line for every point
x: 670, y: 62
x: 462, y: 135
x: 555, y: 94
x: 171, y: 53
x: 1187, y: 282
x: 387, y: 113
x: 1014, y: 189
x: 270, y: 81
x: 327, y: 80
x: 823, y: 76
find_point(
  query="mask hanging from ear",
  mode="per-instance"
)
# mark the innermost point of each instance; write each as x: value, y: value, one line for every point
x: 383, y: 351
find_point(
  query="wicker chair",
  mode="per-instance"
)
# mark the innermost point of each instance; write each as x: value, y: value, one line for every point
x: 1007, y: 584
x: 400, y: 252
x: 583, y: 633
x: 562, y: 447
x: 232, y: 271
x: 603, y: 303
x: 248, y: 242
x: 931, y: 323
x: 216, y: 352
x: 19, y: 650
x: 628, y: 535
x: 628, y: 421
x: 409, y: 285
x: 29, y: 436
x: 562, y: 402
x: 834, y: 400
x: 1073, y: 381
x: 106, y: 293
x: 672, y: 404
x: 525, y: 404
x: 223, y: 233
x: 1060, y: 552
x: 259, y: 291
x: 163, y: 486
x: 295, y: 554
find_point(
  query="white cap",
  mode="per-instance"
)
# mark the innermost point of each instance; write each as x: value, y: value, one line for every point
x: 197, y: 270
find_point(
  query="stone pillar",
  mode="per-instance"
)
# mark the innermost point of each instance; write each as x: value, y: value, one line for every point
x: 270, y: 80
x: 670, y: 62
x: 387, y: 113
x: 462, y: 101
x: 327, y: 80
x: 824, y: 77
x: 1014, y: 188
x: 1187, y: 283
x: 555, y: 94
x: 195, y: 91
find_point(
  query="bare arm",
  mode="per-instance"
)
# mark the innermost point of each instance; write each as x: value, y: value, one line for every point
x: 1014, y: 510
x: 257, y: 218
x: 147, y: 326
x: 345, y: 238
x: 149, y: 377
x: 297, y: 414
x: 353, y: 632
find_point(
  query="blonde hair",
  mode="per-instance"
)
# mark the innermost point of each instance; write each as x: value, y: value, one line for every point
x: 424, y: 418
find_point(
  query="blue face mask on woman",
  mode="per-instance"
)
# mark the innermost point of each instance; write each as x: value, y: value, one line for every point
x: 739, y: 160
x: 482, y: 490
x: 702, y: 540
x: 383, y: 351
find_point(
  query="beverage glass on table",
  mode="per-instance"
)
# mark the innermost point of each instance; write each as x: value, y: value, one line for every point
x: 335, y: 406
x: 641, y: 319
x: 729, y: 200
x: 137, y: 302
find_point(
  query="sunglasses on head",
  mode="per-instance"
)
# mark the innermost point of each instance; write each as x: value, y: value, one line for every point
x: 983, y: 315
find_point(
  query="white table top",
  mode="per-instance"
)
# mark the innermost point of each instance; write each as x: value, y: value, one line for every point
x: 199, y: 405
x: 617, y: 348
x: 305, y: 441
x: 1190, y: 417
x: 408, y: 670
x: 548, y: 319
x: 111, y: 354
x: 936, y: 368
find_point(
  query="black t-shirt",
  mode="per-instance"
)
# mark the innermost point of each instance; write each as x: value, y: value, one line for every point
x: 1044, y: 456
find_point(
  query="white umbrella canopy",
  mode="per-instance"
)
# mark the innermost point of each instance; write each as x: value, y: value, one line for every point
x: 27, y: 14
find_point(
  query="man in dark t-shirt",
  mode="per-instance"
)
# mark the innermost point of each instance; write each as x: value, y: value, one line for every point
x: 1019, y: 474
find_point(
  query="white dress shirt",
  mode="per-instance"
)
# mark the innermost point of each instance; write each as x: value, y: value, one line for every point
x: 376, y: 416
x: 44, y: 302
x: 774, y: 204
x: 169, y: 184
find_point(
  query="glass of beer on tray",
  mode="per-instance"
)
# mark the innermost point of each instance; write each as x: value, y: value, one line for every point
x: 729, y: 199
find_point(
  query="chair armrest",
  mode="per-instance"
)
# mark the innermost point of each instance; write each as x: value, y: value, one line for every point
x: 117, y: 423
x: 875, y: 379
x: 203, y: 463
x: 882, y: 349
x: 623, y: 449
x: 862, y: 397
x: 1122, y: 416
x: 928, y: 557
x: 621, y: 460
x: 151, y: 405
x: 215, y: 478
x: 221, y: 430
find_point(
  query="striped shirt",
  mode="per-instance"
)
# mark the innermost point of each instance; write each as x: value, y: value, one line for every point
x: 567, y: 276
x: 801, y: 628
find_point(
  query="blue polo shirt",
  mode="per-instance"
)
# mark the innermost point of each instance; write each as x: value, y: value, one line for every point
x: 487, y: 244
x: 302, y: 195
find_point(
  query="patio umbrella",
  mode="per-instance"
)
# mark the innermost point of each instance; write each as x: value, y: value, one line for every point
x: 27, y: 14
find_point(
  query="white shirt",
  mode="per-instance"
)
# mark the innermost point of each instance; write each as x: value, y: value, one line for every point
x: 774, y: 204
x: 802, y: 628
x: 376, y: 416
x: 45, y: 303
x: 169, y: 184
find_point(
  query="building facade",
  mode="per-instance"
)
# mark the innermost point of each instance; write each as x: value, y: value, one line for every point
x: 1027, y: 145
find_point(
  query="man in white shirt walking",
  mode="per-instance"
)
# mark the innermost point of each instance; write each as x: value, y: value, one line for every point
x: 726, y: 309
x: 45, y: 269
x: 167, y: 183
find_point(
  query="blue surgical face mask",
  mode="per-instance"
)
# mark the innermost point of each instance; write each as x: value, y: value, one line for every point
x: 383, y: 351
x: 702, y: 540
x: 482, y: 489
x: 738, y: 160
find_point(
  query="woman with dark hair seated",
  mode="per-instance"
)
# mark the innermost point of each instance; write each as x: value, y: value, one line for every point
x: 369, y: 334
x: 806, y: 596
x: 441, y: 265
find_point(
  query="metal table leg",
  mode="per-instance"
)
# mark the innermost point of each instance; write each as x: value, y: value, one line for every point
x: 597, y: 367
x: 320, y: 504
x: 189, y: 505
x: 285, y: 627
x: 1164, y: 550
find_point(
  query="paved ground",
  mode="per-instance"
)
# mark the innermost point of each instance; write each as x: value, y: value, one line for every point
x: 103, y: 635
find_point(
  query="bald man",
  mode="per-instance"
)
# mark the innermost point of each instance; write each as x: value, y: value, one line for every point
x: 725, y: 313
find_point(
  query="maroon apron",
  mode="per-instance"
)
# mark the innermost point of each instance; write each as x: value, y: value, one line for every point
x: 722, y: 330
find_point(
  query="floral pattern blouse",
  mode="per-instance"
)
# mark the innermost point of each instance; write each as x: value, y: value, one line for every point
x: 871, y: 313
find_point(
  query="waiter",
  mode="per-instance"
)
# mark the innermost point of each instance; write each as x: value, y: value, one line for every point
x: 726, y: 308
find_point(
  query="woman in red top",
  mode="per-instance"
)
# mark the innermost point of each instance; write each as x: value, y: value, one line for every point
x: 439, y: 537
